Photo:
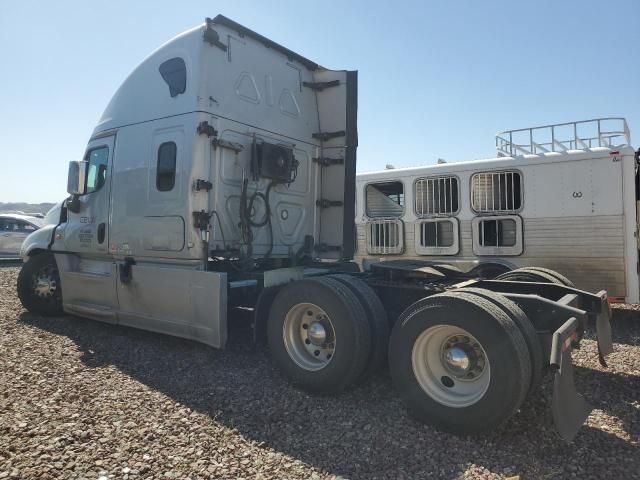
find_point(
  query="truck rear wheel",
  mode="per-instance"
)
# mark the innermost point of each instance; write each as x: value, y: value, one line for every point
x: 39, y: 288
x: 536, y: 274
x: 524, y: 324
x: 459, y: 362
x: 318, y: 335
x: 377, y: 318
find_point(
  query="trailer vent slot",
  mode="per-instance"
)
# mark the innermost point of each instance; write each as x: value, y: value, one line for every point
x: 436, y: 196
x: 437, y: 237
x: 385, y: 199
x: 493, y: 192
x: 497, y: 235
x: 385, y: 237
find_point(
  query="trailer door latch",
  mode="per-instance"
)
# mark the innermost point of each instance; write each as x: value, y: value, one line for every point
x: 203, y: 185
x: 201, y: 220
x: 325, y: 247
x: 212, y: 37
x: 205, y: 129
x: 324, y: 203
x: 327, y: 162
x: 319, y: 86
x: 324, y: 136
x: 236, y: 147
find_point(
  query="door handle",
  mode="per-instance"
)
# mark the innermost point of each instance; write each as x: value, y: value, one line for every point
x: 6, y: 234
x: 101, y: 232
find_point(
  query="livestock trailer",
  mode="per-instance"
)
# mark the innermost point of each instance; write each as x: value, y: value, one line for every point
x: 222, y: 175
x: 558, y: 196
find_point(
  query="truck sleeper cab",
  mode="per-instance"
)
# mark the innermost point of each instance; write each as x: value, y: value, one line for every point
x: 222, y: 174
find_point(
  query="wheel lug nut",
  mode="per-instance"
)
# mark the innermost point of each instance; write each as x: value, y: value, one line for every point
x: 307, y: 341
x: 305, y: 326
x: 309, y: 312
x: 316, y: 353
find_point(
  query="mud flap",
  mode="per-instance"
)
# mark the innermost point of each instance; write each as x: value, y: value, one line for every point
x: 570, y: 409
x: 603, y: 328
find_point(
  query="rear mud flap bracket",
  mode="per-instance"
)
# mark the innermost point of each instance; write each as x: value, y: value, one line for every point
x: 570, y: 409
x: 603, y: 328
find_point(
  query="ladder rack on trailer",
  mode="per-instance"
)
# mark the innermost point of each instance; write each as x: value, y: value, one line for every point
x: 561, y: 137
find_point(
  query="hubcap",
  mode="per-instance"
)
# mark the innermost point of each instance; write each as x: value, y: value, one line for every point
x: 462, y: 357
x: 317, y: 333
x: 308, y: 336
x: 456, y: 361
x: 45, y: 283
x: 451, y: 366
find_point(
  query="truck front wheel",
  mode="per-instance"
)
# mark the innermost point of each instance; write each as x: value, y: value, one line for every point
x: 459, y: 362
x: 39, y: 286
x: 318, y: 335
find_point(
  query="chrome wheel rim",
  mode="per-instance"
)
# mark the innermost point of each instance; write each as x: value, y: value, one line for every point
x: 451, y: 366
x: 45, y: 283
x: 309, y: 336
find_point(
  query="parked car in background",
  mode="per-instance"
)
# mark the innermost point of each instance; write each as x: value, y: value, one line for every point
x: 14, y: 228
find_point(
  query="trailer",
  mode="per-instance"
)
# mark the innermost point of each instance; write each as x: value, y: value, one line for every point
x: 222, y: 175
x: 560, y: 196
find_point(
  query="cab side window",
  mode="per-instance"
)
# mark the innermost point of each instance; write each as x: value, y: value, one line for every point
x: 98, y: 159
x: 166, y: 168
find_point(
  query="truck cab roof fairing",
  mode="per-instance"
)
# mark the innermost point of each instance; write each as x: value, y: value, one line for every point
x: 145, y: 95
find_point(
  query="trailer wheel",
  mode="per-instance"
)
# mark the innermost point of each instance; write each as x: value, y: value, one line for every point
x: 558, y: 276
x: 524, y: 324
x: 489, y: 270
x: 377, y: 318
x: 459, y: 362
x: 318, y: 335
x: 535, y: 274
x: 39, y: 288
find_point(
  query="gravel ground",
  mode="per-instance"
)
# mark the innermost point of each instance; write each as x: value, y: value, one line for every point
x: 81, y: 399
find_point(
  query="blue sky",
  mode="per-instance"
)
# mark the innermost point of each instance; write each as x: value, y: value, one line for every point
x: 436, y: 78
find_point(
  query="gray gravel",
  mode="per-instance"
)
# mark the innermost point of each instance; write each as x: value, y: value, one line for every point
x: 81, y: 399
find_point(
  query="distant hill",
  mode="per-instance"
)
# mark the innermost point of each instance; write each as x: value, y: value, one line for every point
x: 21, y: 207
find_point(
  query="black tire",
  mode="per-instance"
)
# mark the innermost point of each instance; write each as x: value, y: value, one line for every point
x: 558, y: 276
x: 489, y: 270
x: 44, y: 298
x: 526, y: 328
x: 348, y: 320
x: 501, y: 341
x: 523, y: 275
x: 377, y: 318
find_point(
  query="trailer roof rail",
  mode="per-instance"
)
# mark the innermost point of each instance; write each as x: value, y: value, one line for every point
x: 598, y: 132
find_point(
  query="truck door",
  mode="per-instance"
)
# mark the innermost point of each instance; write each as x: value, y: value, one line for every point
x: 87, y: 231
x: 87, y: 270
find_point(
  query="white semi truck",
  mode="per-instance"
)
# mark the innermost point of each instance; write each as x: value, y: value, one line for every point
x: 222, y: 174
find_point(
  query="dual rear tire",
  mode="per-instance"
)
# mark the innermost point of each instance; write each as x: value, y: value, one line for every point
x: 460, y: 362
x: 327, y: 333
x: 463, y: 361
